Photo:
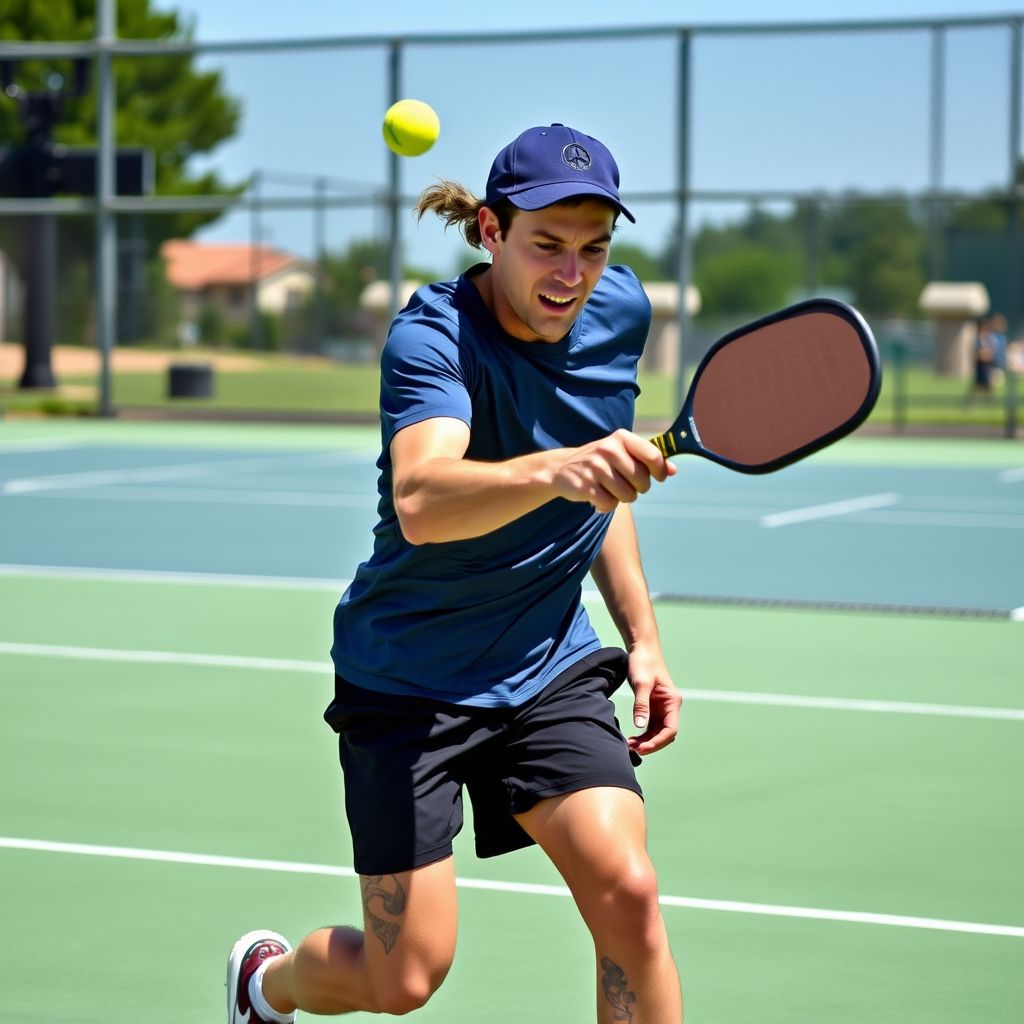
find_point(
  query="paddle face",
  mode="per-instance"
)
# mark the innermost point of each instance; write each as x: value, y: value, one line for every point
x: 779, y: 389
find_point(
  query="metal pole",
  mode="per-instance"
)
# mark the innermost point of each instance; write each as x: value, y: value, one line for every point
x: 812, y: 246
x: 256, y: 234
x: 1013, y: 294
x: 937, y: 146
x: 899, y: 397
x: 1016, y: 89
x: 394, y: 188
x: 40, y: 236
x: 320, y: 255
x: 106, y: 219
x: 6, y: 299
x: 685, y: 254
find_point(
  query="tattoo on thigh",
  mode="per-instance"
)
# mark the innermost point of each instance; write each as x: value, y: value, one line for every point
x: 388, y: 890
x: 616, y: 990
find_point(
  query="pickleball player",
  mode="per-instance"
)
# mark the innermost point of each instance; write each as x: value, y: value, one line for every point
x: 465, y: 659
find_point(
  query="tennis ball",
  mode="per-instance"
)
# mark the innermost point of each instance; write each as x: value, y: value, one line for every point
x: 411, y: 127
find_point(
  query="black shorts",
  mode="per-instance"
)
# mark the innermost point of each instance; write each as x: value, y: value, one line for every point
x: 406, y: 759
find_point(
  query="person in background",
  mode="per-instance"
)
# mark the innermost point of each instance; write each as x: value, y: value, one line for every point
x: 985, y: 358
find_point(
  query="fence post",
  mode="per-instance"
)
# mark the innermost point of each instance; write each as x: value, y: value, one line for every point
x: 106, y: 223
x: 1013, y: 270
x: 936, y: 147
x: 256, y: 263
x: 899, y: 386
x: 684, y: 255
x: 394, y: 188
x: 1011, y: 404
x: 320, y: 255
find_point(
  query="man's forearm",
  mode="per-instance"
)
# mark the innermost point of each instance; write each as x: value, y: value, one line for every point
x: 441, y: 496
x: 448, y: 499
x: 619, y: 576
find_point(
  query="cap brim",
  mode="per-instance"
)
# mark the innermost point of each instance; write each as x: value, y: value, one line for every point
x: 546, y: 195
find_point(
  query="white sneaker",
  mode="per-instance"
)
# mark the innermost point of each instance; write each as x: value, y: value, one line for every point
x: 246, y: 956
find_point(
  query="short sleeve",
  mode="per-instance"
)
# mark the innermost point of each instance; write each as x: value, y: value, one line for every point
x: 422, y: 376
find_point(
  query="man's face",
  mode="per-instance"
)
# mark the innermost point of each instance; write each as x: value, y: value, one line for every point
x: 545, y: 267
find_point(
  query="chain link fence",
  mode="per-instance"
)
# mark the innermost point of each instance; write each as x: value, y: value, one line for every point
x: 764, y: 164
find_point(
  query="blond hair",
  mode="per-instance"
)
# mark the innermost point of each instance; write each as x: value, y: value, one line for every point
x: 458, y: 207
x: 455, y: 205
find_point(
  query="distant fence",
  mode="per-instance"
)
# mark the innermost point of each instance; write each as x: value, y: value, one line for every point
x: 709, y: 123
x: 915, y: 394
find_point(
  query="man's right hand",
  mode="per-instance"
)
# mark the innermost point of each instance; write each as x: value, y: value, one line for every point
x: 616, y: 468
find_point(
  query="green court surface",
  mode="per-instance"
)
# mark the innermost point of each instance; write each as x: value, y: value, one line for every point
x: 838, y: 831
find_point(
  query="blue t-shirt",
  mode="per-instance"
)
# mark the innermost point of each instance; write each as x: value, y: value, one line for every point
x: 491, y: 620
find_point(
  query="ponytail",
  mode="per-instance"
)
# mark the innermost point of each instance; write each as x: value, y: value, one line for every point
x: 458, y: 207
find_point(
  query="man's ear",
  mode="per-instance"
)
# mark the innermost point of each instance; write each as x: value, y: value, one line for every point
x: 490, y: 229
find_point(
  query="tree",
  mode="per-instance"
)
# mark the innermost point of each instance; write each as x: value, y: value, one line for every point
x: 749, y: 267
x: 988, y: 214
x: 346, y: 274
x: 643, y: 264
x: 163, y: 103
x: 984, y: 241
x: 748, y: 279
x: 878, y: 250
x: 343, y: 277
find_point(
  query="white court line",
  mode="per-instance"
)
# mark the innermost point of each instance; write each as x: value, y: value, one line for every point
x: 164, y: 658
x: 151, y: 474
x: 320, y: 668
x: 871, y: 514
x: 209, y: 579
x: 1012, y: 476
x: 300, y: 868
x: 894, y: 707
x: 211, y: 496
x: 832, y: 508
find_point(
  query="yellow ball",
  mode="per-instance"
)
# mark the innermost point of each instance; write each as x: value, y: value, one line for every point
x: 411, y: 127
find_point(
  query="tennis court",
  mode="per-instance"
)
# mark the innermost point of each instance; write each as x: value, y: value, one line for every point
x: 839, y: 830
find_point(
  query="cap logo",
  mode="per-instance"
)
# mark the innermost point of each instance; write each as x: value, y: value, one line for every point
x: 576, y: 156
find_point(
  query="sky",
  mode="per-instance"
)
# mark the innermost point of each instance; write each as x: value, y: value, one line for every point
x: 261, y: 19
x: 831, y: 111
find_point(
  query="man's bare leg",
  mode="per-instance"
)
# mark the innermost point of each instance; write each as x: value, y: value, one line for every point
x: 597, y: 840
x: 393, y: 966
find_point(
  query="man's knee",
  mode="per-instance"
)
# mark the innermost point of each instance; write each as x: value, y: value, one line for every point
x: 406, y: 992
x: 626, y: 899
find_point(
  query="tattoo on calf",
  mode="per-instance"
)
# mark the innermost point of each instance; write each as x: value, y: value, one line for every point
x: 389, y: 892
x: 616, y: 990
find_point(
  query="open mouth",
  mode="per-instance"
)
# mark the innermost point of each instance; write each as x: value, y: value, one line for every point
x: 557, y: 303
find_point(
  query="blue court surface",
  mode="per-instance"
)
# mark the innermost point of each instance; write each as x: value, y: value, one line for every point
x: 860, y: 527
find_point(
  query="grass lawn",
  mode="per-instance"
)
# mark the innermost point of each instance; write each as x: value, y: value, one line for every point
x: 281, y: 384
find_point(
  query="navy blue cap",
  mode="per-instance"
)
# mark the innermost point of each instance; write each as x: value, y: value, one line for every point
x: 545, y: 165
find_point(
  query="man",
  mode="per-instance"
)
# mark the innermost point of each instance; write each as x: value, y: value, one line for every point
x: 463, y: 654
